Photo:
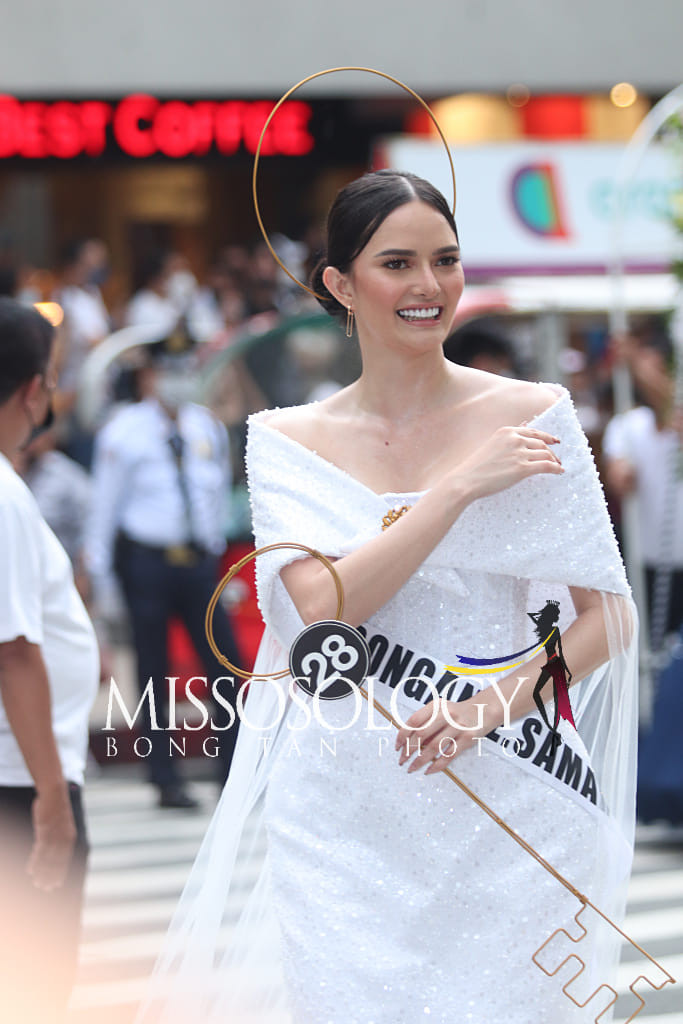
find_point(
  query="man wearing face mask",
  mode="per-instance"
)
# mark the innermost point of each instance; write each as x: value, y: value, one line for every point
x: 49, y: 674
x: 160, y: 507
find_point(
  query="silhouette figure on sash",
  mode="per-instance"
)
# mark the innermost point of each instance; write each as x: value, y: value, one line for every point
x: 545, y: 623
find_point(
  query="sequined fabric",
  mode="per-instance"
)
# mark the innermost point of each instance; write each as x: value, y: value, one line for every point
x: 398, y: 899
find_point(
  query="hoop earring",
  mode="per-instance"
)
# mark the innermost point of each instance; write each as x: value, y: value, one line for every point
x: 349, y: 322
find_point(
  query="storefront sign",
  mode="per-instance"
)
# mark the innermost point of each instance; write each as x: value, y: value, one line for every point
x: 142, y: 126
x: 527, y: 207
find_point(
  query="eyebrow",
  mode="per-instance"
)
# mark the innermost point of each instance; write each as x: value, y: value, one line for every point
x: 412, y: 252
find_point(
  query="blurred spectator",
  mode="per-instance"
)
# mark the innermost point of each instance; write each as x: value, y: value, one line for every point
x: 159, y: 520
x: 262, y: 288
x: 216, y: 306
x: 642, y: 452
x: 232, y: 395
x: 48, y: 679
x: 312, y: 356
x: 152, y: 302
x: 573, y: 364
x: 294, y: 255
x: 62, y: 489
x: 643, y: 449
x: 234, y: 262
x: 181, y: 284
x: 481, y: 345
x: 84, y: 267
x: 233, y: 308
x: 63, y: 492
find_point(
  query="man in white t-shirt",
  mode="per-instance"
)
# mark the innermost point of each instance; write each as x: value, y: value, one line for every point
x: 642, y: 450
x: 48, y: 678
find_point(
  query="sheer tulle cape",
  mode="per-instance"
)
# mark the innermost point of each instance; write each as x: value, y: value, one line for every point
x: 214, y: 968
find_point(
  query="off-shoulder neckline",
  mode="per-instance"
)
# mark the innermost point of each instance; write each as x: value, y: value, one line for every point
x: 258, y: 418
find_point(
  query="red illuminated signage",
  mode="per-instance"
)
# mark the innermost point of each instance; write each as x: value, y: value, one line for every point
x: 143, y: 126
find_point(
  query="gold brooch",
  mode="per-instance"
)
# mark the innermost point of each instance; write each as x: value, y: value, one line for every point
x: 392, y: 515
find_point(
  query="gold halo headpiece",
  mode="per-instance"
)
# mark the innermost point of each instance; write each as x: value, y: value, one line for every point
x: 310, y: 78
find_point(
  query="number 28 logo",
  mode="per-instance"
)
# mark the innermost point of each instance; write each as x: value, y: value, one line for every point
x: 328, y: 658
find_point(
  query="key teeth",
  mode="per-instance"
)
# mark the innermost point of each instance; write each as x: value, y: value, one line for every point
x: 563, y: 931
x: 572, y: 956
x: 582, y: 966
x: 643, y: 977
x: 607, y: 989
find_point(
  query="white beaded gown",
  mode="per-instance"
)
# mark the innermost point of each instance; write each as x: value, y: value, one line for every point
x: 397, y: 899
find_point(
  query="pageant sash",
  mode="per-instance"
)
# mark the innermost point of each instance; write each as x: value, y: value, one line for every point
x: 408, y: 679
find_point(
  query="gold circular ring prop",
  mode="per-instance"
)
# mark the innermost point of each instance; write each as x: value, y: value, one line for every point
x: 232, y: 571
x: 310, y: 78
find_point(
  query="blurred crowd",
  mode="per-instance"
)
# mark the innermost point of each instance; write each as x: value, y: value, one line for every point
x: 259, y: 340
x: 243, y: 291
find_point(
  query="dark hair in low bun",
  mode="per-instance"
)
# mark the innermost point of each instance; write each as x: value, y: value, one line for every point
x: 356, y: 214
x: 324, y: 297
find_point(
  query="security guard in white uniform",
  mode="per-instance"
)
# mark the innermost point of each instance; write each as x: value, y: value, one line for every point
x: 160, y: 506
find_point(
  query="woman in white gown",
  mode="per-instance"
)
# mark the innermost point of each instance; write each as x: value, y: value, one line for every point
x: 391, y: 896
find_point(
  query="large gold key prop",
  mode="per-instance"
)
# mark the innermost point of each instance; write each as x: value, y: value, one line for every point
x: 605, y: 990
x: 604, y: 994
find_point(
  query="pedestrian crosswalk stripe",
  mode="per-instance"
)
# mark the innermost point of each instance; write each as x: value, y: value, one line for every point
x: 649, y: 926
x: 141, y: 856
x: 664, y: 886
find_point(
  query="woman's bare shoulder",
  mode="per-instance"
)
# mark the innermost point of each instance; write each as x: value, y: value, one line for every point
x: 526, y: 399
x: 302, y: 423
x: 515, y: 400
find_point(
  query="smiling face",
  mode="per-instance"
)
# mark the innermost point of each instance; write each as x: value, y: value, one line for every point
x: 405, y: 284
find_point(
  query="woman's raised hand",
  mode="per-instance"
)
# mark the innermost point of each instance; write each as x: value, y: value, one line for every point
x: 509, y: 455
